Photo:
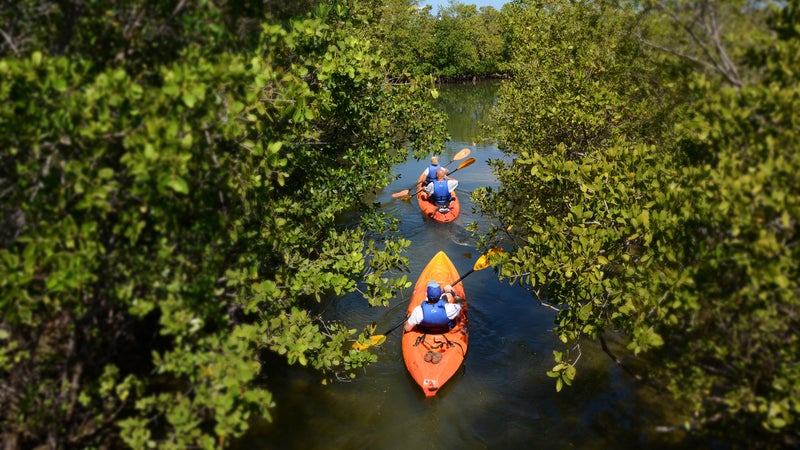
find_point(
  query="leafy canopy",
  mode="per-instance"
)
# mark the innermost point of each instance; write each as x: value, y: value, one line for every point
x: 648, y: 199
x: 167, y: 220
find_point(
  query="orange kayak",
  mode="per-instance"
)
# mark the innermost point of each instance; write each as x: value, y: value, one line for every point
x: 432, y: 359
x: 438, y: 214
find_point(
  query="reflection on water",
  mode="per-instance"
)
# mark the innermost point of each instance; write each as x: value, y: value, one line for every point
x: 502, y: 397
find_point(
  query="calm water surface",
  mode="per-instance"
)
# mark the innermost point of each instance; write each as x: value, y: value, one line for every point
x: 502, y: 397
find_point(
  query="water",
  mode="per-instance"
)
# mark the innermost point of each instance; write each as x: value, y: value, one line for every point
x: 501, y: 397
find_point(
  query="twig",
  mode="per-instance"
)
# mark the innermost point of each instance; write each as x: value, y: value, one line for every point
x: 10, y: 42
x: 627, y: 369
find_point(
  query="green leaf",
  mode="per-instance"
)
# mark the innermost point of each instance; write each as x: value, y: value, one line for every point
x: 178, y: 185
x: 189, y: 99
x: 585, y: 312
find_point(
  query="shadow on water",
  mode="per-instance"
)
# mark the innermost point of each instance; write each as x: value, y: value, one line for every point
x: 501, y: 397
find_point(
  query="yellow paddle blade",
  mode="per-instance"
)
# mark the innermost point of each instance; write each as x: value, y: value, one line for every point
x: 495, y: 251
x: 377, y: 339
x: 465, y: 164
x: 481, y: 263
x: 484, y: 261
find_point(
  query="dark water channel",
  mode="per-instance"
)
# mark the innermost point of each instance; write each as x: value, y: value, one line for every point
x: 502, y: 397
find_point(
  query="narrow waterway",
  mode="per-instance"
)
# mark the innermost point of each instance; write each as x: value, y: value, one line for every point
x: 502, y: 397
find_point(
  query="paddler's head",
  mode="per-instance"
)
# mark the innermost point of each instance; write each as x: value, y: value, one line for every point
x: 434, y: 292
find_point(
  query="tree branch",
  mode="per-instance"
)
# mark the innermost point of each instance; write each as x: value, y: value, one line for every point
x: 706, y: 20
x: 10, y: 42
x: 627, y: 369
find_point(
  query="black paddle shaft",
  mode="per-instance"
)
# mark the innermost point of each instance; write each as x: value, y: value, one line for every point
x: 463, y: 276
x: 396, y: 326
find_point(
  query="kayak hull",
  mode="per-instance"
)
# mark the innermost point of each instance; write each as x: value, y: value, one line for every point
x: 431, y: 373
x: 432, y: 211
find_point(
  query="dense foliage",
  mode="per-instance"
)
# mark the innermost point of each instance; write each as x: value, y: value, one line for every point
x: 170, y: 181
x: 652, y: 194
x: 172, y: 175
x: 457, y: 42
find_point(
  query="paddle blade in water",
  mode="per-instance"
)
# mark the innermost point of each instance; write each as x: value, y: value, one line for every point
x: 402, y: 193
x: 377, y: 339
x: 360, y: 346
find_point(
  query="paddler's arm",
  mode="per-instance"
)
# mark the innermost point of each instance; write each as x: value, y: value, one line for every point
x: 413, y: 319
x: 422, y: 177
x: 427, y: 191
x: 452, y: 294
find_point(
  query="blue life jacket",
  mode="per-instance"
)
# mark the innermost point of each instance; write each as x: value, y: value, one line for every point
x: 434, y: 315
x: 441, y: 193
x: 432, y: 173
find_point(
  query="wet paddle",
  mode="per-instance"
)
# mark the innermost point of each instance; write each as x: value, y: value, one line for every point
x: 378, y: 339
x: 406, y: 196
x: 483, y: 262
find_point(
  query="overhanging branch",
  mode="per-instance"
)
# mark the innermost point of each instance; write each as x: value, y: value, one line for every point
x: 634, y: 374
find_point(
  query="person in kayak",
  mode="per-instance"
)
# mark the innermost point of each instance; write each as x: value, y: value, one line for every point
x: 429, y: 174
x: 438, y: 312
x: 440, y: 191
